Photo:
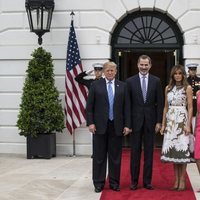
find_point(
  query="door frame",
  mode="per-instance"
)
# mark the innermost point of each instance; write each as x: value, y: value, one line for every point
x: 169, y: 64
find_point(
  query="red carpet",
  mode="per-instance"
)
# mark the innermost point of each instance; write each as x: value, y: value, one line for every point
x: 162, y: 181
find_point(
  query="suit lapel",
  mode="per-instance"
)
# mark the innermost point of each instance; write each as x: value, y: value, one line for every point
x: 104, y: 86
x: 149, y: 86
x: 139, y: 88
x: 117, y: 87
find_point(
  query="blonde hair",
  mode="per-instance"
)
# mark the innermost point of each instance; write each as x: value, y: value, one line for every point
x: 109, y: 63
x: 172, y: 81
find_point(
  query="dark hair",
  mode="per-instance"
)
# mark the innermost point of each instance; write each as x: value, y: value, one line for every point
x: 143, y: 57
x: 172, y: 81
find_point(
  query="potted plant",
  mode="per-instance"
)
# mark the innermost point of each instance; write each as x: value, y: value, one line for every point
x: 41, y: 113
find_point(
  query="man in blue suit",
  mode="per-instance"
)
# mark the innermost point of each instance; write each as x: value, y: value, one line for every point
x: 108, y: 118
x: 146, y: 100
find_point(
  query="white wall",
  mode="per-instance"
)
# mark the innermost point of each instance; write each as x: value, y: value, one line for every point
x: 95, y: 21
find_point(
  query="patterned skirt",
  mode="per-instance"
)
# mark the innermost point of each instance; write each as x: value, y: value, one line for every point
x: 175, y: 147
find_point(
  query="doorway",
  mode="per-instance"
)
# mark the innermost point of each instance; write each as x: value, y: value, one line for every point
x: 162, y: 62
x: 147, y: 32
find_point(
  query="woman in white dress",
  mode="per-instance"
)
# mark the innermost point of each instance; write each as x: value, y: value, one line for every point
x: 176, y: 124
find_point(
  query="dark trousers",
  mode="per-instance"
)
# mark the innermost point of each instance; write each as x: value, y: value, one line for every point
x: 146, y: 135
x: 107, y: 146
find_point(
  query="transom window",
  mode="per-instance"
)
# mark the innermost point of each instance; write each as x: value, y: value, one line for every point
x: 148, y: 29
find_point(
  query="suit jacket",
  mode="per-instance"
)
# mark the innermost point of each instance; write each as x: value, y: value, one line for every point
x: 97, y: 108
x: 151, y: 110
x: 195, y: 84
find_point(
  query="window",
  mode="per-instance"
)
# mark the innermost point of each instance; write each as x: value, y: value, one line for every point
x: 149, y: 29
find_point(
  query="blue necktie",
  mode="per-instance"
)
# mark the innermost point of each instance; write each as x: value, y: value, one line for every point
x: 144, y: 89
x: 111, y: 100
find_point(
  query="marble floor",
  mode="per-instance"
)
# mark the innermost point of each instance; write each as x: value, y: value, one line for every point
x: 59, y: 178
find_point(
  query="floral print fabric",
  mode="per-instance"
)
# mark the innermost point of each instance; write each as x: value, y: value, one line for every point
x: 175, y: 143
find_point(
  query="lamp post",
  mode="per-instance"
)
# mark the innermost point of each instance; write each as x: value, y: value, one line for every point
x: 39, y: 16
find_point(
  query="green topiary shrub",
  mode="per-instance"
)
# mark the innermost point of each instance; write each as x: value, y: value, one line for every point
x: 40, y: 109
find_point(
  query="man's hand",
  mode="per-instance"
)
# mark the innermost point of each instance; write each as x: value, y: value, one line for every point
x: 89, y: 71
x: 92, y: 128
x: 126, y: 131
x: 158, y: 127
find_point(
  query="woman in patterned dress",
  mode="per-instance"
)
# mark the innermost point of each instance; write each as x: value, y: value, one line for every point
x: 176, y: 124
x: 197, y: 134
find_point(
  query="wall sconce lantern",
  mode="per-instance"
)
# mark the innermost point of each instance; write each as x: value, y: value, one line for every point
x: 39, y: 16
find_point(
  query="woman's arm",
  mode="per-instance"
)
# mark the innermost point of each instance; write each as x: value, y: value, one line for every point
x: 164, y: 113
x: 189, y: 95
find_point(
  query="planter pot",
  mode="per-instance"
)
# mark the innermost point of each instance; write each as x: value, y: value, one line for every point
x: 44, y: 146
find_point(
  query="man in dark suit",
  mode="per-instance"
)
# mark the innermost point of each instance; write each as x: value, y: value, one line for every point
x: 98, y: 71
x: 194, y: 81
x: 80, y: 78
x: 108, y: 118
x: 146, y: 100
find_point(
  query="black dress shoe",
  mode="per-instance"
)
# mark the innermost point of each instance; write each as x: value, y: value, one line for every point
x: 98, y: 189
x: 115, y: 188
x: 134, y: 186
x: 148, y: 186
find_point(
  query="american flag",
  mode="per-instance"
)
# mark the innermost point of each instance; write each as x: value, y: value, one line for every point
x: 76, y: 94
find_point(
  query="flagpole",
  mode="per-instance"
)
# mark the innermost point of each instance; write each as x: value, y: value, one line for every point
x: 74, y: 110
x: 74, y: 144
x: 72, y: 14
x: 73, y: 134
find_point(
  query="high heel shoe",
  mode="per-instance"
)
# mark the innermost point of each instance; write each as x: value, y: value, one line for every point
x: 181, y: 189
x: 182, y: 186
x: 175, y: 187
